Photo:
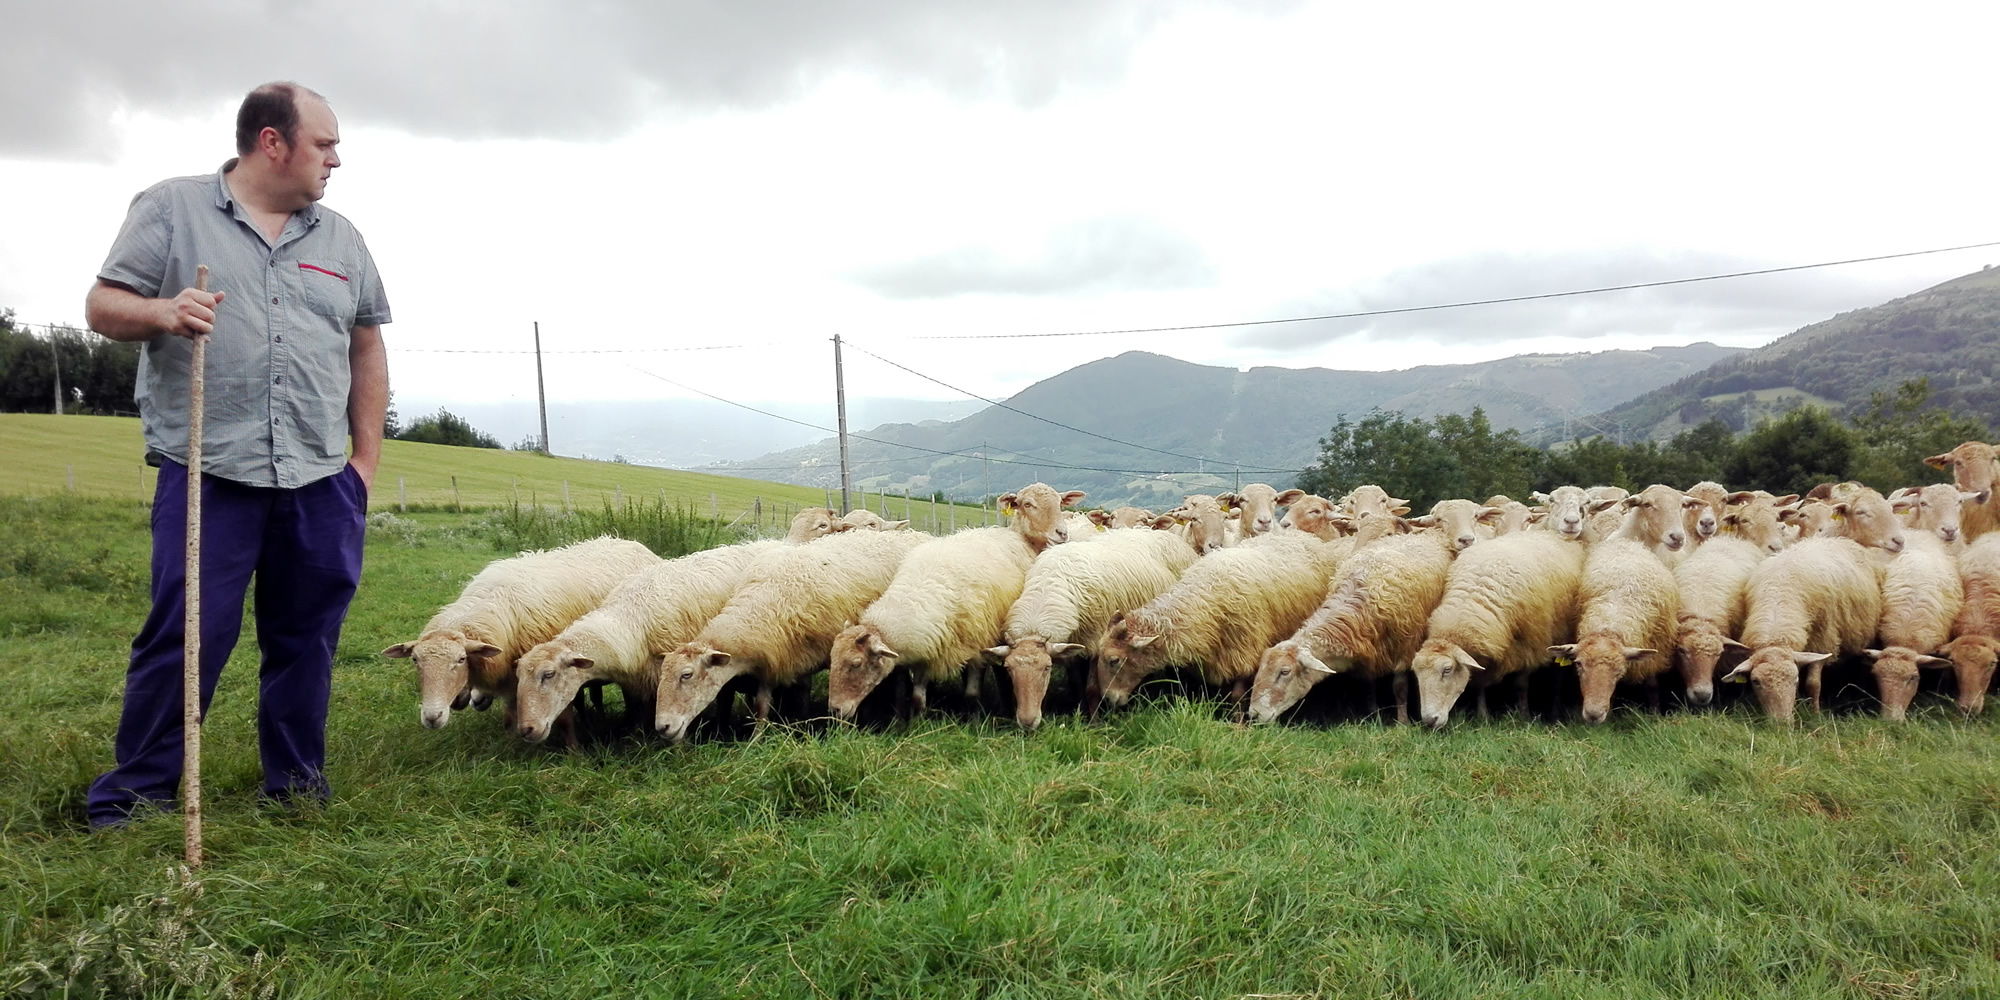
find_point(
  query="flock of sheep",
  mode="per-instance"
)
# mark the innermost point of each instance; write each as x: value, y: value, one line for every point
x: 1716, y: 585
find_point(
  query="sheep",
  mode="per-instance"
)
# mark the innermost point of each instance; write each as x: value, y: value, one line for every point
x: 1865, y: 516
x: 1373, y: 616
x: 777, y: 625
x: 1259, y: 503
x: 863, y: 519
x: 1975, y: 468
x: 1514, y: 516
x: 1602, y: 514
x: 1819, y: 598
x: 1205, y: 522
x: 1459, y: 521
x: 1563, y: 511
x: 1655, y: 517
x: 1037, y: 509
x: 1628, y: 604
x: 1314, y: 515
x: 1505, y: 602
x: 655, y: 610
x: 1220, y: 616
x: 1938, y: 508
x: 1976, y: 632
x: 1809, y: 518
x: 947, y: 603
x: 468, y: 648
x: 1711, y: 581
x: 1069, y: 597
x: 1704, y: 516
x: 1921, y: 598
x: 811, y: 523
x: 1130, y: 517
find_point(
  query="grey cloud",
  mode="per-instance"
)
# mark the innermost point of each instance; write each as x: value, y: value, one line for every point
x: 1115, y: 253
x: 1695, y: 310
x: 520, y: 69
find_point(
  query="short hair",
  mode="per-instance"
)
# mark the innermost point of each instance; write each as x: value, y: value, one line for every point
x: 273, y: 105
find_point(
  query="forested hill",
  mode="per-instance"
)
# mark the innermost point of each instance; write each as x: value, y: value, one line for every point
x: 1188, y: 427
x: 1948, y: 333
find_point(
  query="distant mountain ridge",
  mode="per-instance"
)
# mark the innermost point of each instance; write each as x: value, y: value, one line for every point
x: 1948, y: 333
x: 1189, y: 427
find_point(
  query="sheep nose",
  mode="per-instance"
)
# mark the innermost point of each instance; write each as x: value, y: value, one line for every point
x: 1594, y: 715
x: 434, y: 720
x: 1705, y: 527
x: 1675, y: 540
x: 1948, y: 534
x: 1465, y: 541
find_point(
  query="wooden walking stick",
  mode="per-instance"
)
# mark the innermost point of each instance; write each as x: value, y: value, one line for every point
x: 191, y: 624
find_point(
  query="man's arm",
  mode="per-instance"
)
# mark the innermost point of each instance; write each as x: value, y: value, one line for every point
x: 122, y: 314
x: 367, y: 399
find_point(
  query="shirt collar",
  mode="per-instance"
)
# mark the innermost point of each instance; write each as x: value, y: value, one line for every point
x: 227, y: 202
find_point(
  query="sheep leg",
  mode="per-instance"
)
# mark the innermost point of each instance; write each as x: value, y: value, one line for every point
x: 1239, y: 699
x: 972, y: 672
x: 1521, y: 697
x: 919, y: 694
x: 1811, y: 683
x: 1400, y: 683
x: 763, y: 705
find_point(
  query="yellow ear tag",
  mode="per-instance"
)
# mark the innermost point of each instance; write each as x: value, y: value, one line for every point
x: 1838, y: 516
x: 1564, y: 661
x: 1007, y: 511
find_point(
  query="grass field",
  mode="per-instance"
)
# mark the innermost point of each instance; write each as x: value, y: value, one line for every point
x: 103, y: 457
x: 1160, y: 854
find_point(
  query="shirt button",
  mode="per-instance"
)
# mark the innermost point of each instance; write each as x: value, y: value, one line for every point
x: 277, y: 379
x: 274, y: 300
x: 280, y: 338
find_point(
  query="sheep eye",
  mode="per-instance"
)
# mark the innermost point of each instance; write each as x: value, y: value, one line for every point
x: 687, y: 674
x: 548, y: 675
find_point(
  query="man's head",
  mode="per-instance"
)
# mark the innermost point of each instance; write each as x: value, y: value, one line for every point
x: 289, y: 133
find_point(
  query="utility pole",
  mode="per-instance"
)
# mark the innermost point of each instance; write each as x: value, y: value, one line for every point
x: 57, y: 357
x: 541, y: 394
x: 840, y: 403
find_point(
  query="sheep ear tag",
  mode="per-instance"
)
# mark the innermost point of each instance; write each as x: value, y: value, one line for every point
x: 1564, y: 661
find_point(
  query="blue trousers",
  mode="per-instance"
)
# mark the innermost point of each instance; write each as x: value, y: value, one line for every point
x: 303, y: 548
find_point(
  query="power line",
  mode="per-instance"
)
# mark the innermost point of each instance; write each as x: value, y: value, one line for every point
x: 1044, y: 464
x: 1058, y: 423
x: 1455, y: 305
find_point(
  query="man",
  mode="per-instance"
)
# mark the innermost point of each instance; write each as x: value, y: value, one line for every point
x: 295, y: 366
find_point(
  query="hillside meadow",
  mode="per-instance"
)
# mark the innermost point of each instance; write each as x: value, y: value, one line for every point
x: 1160, y: 853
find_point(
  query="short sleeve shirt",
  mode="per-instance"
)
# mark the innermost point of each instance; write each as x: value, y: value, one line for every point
x: 277, y: 378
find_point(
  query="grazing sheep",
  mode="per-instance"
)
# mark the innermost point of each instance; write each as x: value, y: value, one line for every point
x: 1628, y: 603
x: 1373, y: 616
x: 1975, y: 468
x: 1975, y: 634
x: 1506, y: 601
x: 1071, y: 593
x: 468, y: 648
x: 1819, y: 598
x: 777, y: 625
x: 811, y: 523
x: 947, y: 603
x: 1711, y: 582
x: 657, y: 609
x: 1220, y: 616
x: 1921, y: 598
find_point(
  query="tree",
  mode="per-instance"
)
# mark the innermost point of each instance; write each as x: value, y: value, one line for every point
x: 1794, y: 453
x: 1896, y: 432
x: 392, y: 425
x: 446, y: 427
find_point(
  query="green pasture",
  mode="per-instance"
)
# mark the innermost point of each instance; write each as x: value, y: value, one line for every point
x: 1162, y: 853
x: 45, y: 454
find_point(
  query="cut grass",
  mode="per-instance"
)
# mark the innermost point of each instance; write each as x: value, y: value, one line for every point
x: 1162, y: 853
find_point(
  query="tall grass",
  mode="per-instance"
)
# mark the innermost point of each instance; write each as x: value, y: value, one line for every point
x: 668, y: 529
x: 1161, y: 853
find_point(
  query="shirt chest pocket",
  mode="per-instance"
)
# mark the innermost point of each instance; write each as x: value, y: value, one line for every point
x: 329, y: 289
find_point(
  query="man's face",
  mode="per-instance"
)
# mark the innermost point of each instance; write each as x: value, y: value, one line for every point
x: 310, y: 162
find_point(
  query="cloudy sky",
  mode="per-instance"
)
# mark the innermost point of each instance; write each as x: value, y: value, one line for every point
x: 643, y: 178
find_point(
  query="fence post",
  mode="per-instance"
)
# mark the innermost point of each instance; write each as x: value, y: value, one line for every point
x: 757, y: 504
x: 565, y: 496
x: 933, y: 513
x: 455, y: 506
x: 402, y: 495
x: 69, y: 477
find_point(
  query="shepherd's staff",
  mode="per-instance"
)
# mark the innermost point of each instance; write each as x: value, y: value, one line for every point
x: 191, y: 624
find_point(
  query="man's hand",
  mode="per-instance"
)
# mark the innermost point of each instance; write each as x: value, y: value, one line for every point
x: 365, y: 468
x: 191, y: 313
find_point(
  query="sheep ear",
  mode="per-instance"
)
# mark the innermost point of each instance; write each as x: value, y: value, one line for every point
x: 1101, y: 518
x: 1902, y: 503
x: 1873, y: 654
x: 1943, y: 461
x: 1311, y: 662
x: 1422, y: 522
x: 1639, y: 652
x: 996, y: 655
x: 1728, y: 643
x: 483, y: 650
x: 1738, y: 497
x: 1933, y: 661
x: 1072, y: 498
x: 1289, y: 496
x: 715, y: 658
x: 1009, y: 501
x: 1065, y: 650
x: 1539, y: 497
x: 1600, y: 506
x: 1142, y: 641
x: 400, y: 651
x: 1808, y: 659
x: 1400, y: 509
x: 1466, y: 659
x: 1787, y: 500
x: 1488, y: 515
x: 1564, y: 653
x: 1738, y: 675
x: 1978, y: 497
x: 580, y: 662
x: 1163, y: 522
x: 1691, y: 503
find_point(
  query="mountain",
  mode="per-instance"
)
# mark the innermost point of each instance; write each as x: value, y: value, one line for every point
x: 679, y: 433
x: 1178, y: 427
x: 1949, y: 333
